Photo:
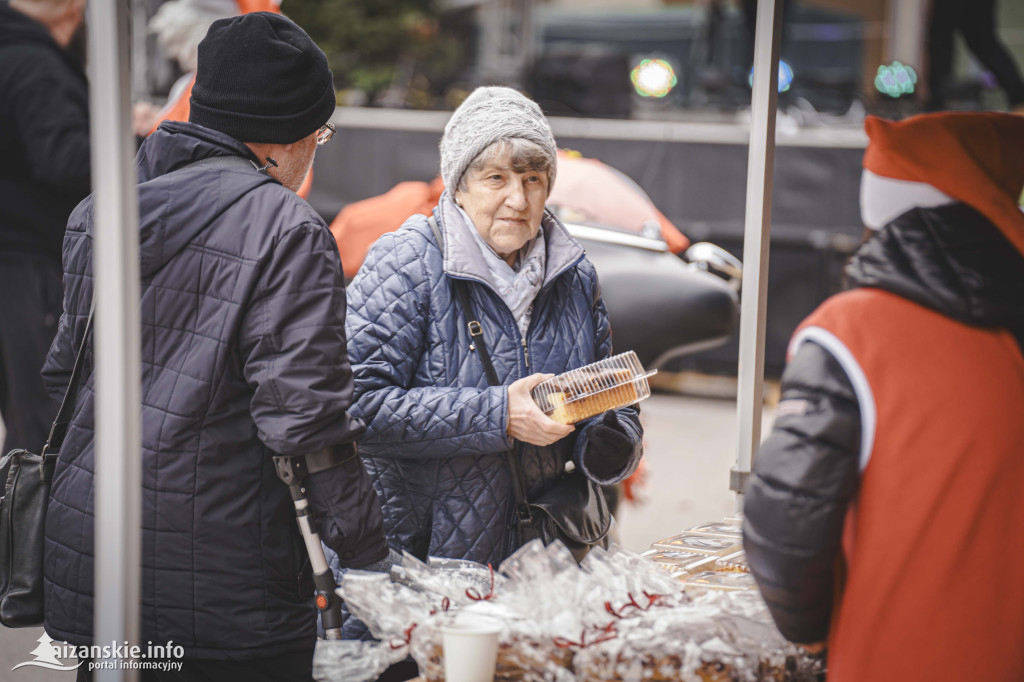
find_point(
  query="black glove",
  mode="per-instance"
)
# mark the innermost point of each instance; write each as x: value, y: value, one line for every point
x: 347, y: 514
x: 393, y: 558
x: 608, y: 447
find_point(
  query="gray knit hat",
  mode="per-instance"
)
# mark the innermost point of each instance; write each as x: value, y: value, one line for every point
x: 488, y: 115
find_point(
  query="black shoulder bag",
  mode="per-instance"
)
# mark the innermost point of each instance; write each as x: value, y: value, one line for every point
x: 574, y: 509
x: 26, y: 493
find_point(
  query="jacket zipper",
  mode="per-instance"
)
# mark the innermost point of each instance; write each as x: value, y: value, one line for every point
x: 526, y: 349
x: 522, y: 339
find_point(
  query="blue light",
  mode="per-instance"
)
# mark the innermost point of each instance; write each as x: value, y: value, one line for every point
x: 785, y: 76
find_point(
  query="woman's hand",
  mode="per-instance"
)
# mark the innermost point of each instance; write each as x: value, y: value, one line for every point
x: 526, y: 422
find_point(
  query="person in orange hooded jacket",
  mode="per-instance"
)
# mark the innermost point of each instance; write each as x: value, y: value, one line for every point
x: 884, y: 514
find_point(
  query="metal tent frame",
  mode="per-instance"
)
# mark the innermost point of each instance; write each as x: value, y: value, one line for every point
x: 118, y: 495
x: 756, y: 234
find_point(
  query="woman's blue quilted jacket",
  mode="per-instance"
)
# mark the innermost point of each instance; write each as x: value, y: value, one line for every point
x: 436, y: 440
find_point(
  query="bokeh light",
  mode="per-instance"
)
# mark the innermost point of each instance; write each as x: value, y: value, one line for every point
x: 653, y: 78
x: 896, y: 79
x: 785, y: 76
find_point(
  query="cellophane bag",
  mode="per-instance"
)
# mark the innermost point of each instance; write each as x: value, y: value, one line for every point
x: 616, y: 617
x: 720, y: 637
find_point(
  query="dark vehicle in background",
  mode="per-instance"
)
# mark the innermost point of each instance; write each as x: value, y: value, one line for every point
x: 665, y: 296
x: 661, y: 305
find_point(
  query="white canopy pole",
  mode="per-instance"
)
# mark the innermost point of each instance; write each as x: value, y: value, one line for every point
x: 756, y: 233
x: 116, y: 348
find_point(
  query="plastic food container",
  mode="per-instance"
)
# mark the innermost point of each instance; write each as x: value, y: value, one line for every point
x: 715, y: 580
x: 604, y: 385
x: 718, y: 529
x: 736, y: 563
x: 700, y: 543
x: 674, y: 562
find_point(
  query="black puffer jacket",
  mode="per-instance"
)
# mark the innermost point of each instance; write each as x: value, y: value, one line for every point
x: 243, y: 357
x: 949, y: 259
x: 44, y: 136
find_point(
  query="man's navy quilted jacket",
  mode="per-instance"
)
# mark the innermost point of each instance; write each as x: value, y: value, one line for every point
x: 243, y: 357
x: 436, y: 438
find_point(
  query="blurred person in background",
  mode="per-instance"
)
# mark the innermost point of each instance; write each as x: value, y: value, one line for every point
x: 44, y: 143
x: 438, y: 433
x: 179, y: 26
x: 975, y: 20
x: 884, y: 514
x: 244, y: 360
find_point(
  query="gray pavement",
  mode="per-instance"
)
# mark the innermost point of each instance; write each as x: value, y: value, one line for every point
x: 15, y: 646
x: 690, y: 446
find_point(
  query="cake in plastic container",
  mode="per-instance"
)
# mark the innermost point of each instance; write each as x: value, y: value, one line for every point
x: 588, y: 391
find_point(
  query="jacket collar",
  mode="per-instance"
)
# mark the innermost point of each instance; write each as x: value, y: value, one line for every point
x: 176, y: 144
x: 950, y: 259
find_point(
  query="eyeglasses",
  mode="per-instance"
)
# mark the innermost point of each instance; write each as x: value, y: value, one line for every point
x: 324, y: 134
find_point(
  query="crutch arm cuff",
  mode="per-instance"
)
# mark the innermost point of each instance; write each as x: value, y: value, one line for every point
x: 293, y: 469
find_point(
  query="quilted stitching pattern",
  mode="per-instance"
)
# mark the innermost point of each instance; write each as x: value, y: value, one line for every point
x: 244, y: 356
x: 435, y: 438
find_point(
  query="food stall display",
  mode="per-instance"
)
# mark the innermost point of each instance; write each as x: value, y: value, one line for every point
x: 617, y: 616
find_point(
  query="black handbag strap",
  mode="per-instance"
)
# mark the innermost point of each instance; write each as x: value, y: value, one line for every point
x: 67, y: 405
x: 476, y: 332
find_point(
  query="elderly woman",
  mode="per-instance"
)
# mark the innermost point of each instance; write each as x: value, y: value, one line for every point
x: 439, y: 435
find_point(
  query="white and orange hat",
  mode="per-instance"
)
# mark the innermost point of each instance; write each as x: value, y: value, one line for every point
x: 934, y: 159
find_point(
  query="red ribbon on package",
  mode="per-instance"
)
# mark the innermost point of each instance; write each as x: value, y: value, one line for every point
x: 408, y: 637
x: 652, y: 600
x: 475, y: 594
x: 603, y: 635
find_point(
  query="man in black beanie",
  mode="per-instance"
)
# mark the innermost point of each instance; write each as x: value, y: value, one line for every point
x: 244, y: 358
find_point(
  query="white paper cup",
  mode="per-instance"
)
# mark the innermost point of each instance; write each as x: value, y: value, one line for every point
x: 470, y: 649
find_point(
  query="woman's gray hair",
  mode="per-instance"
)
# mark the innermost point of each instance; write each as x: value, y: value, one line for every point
x: 525, y: 156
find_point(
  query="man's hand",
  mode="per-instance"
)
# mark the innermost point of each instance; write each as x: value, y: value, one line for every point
x: 144, y: 117
x: 526, y: 422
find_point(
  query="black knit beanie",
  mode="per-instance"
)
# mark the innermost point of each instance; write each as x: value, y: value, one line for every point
x: 260, y: 78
